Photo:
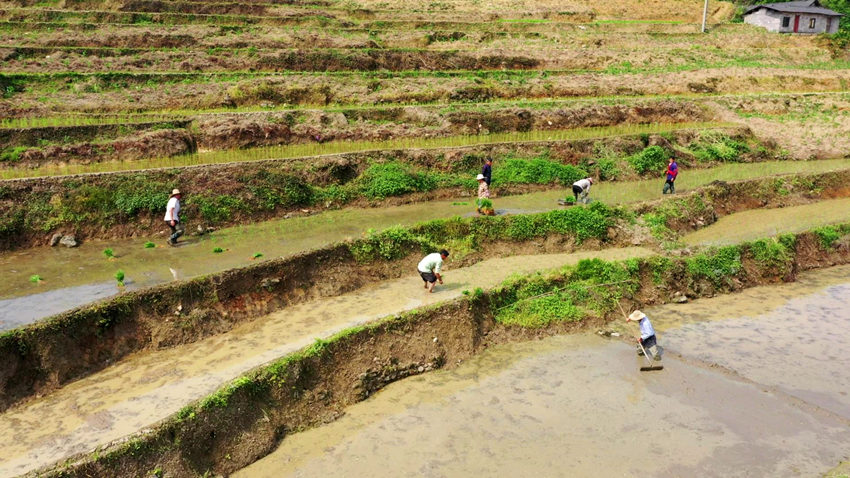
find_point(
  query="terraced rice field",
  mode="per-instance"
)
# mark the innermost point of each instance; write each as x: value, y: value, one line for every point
x: 323, y: 146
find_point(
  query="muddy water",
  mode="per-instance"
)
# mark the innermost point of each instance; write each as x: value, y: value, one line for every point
x: 768, y: 222
x: 86, y: 266
x: 577, y: 406
x: 146, y: 388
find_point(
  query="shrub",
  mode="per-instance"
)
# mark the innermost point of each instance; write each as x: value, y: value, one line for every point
x: 275, y: 189
x: 716, y: 265
x: 393, y: 243
x: 652, y: 158
x: 382, y: 180
x: 12, y: 155
x: 536, y: 171
x: 218, y: 209
x: 133, y: 198
x: 827, y: 236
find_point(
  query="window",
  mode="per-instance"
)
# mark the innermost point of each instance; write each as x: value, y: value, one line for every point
x: 812, y: 23
x: 786, y: 22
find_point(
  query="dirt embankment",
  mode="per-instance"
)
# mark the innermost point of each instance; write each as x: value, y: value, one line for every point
x: 231, y: 131
x: 247, y: 419
x: 56, y: 203
x: 33, y: 360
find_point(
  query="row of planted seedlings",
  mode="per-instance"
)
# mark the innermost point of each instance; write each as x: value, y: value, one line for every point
x: 33, y: 359
x: 247, y: 418
x: 148, y: 141
x: 220, y: 195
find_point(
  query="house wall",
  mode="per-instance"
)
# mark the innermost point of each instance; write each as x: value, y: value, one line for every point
x: 773, y: 22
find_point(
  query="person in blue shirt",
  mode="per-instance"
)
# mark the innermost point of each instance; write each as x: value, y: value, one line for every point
x: 487, y: 170
x: 647, y: 334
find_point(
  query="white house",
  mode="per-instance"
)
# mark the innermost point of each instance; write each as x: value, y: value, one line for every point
x: 805, y: 17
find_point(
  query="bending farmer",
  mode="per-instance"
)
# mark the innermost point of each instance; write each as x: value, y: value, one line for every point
x: 647, y: 334
x: 581, y: 188
x: 429, y: 268
x: 172, y: 217
x: 672, y: 172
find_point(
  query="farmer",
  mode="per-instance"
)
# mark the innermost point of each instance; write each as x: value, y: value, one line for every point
x: 487, y: 170
x: 647, y: 334
x: 672, y: 172
x: 429, y: 268
x: 483, y: 190
x: 581, y: 188
x: 172, y: 217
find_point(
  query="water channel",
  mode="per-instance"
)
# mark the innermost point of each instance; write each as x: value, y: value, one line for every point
x: 73, y: 277
x: 754, y: 384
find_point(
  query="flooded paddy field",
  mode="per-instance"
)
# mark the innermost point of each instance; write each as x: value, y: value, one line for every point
x: 769, y: 222
x: 754, y: 385
x: 148, y: 387
x: 73, y: 277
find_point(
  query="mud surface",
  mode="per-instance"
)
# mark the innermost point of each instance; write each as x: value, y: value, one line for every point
x: 572, y: 406
x: 64, y: 268
x: 149, y: 387
x: 767, y: 222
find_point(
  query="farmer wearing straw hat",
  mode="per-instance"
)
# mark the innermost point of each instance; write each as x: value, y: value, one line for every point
x: 483, y: 191
x: 647, y: 334
x: 172, y: 217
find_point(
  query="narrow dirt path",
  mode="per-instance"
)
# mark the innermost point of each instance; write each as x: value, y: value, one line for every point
x: 148, y: 387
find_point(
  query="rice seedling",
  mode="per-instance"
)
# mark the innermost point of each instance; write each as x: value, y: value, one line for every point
x: 109, y: 253
x: 257, y: 255
x: 149, y: 245
x: 35, y: 278
x: 119, y: 277
x: 218, y: 250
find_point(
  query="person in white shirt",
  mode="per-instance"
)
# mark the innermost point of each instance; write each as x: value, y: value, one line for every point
x: 581, y: 188
x: 172, y: 217
x: 647, y: 337
x: 429, y: 268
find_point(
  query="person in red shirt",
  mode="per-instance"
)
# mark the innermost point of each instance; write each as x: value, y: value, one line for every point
x: 672, y: 172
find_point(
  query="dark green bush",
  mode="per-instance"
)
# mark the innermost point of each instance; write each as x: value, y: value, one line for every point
x: 382, y: 180
x: 653, y: 158
x: 536, y: 171
x: 217, y: 209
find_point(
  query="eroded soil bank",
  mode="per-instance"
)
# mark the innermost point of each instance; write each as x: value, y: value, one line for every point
x: 246, y: 419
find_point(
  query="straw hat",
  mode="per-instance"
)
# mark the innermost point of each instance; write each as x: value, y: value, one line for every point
x: 175, y: 192
x: 637, y: 316
x: 479, y: 177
